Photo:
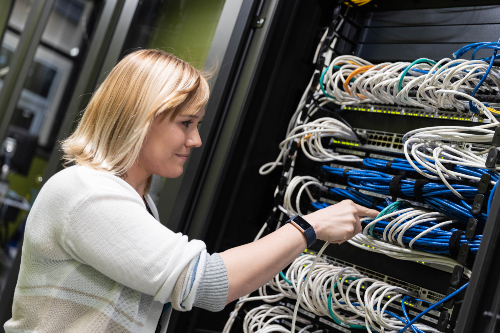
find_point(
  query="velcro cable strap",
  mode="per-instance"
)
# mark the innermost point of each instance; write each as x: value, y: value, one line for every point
x: 344, y: 174
x: 418, y: 188
x: 395, y: 187
x: 375, y: 203
x: 388, y: 165
x: 454, y: 244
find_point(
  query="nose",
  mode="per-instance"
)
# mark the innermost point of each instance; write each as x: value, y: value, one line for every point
x: 194, y: 139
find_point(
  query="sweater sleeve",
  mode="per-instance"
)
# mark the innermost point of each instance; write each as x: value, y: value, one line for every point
x: 114, y: 233
x: 214, y: 287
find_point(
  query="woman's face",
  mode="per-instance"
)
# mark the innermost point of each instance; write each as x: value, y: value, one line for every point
x: 169, y: 144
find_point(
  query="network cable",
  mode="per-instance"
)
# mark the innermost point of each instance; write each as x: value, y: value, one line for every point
x: 433, y: 148
x: 379, y: 182
x: 334, y: 291
x: 352, y: 80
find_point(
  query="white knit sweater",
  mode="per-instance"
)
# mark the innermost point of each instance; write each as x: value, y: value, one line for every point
x: 95, y: 260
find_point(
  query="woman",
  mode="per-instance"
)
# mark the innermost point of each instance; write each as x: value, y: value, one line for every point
x: 95, y: 258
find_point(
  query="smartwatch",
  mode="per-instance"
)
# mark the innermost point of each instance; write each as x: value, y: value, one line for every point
x: 305, y: 227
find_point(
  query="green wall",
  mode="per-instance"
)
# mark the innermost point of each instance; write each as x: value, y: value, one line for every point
x: 186, y: 28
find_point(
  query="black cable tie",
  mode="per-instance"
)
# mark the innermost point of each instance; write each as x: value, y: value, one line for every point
x: 444, y: 318
x: 449, y: 303
x: 344, y: 174
x: 395, y: 187
x: 471, y: 182
x: 448, y: 166
x: 375, y: 202
x: 496, y: 138
x: 470, y: 231
x: 477, y: 205
x: 492, y: 158
x: 418, y: 188
x: 456, y: 276
x: 463, y: 254
x: 388, y: 165
x: 454, y: 243
x: 484, y: 183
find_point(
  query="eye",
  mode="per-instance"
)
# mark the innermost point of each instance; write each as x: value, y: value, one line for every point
x: 187, y: 123
x: 199, y: 125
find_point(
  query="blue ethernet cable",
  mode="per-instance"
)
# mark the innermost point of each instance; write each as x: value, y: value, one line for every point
x: 404, y: 165
x: 378, y: 182
x: 495, y: 46
x: 436, y: 241
x: 433, y: 306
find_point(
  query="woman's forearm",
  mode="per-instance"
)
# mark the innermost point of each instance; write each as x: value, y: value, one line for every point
x: 252, y: 265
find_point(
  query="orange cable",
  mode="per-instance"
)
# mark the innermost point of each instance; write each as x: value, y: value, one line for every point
x: 359, y: 70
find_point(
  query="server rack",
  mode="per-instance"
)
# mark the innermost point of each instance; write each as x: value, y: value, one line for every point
x: 274, y: 66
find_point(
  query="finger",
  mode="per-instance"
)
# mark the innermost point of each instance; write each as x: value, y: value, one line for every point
x: 357, y: 227
x: 363, y: 211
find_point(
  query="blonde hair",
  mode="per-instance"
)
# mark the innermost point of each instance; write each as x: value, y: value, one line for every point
x: 144, y: 85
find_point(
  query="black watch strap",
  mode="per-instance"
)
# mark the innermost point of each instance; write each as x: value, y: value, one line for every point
x: 306, y: 228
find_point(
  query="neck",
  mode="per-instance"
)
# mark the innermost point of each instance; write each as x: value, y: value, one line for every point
x: 137, y: 178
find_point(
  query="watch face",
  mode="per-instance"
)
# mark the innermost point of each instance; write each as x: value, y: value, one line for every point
x: 301, y: 223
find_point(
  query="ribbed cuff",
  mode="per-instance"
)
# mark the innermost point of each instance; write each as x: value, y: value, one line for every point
x: 214, y: 287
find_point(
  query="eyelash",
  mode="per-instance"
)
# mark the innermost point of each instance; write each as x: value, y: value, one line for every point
x: 187, y: 123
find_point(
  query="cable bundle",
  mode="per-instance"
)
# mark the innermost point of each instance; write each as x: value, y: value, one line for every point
x: 379, y: 182
x: 262, y: 319
x: 403, y: 165
x: 435, y: 148
x: 412, y: 234
x: 423, y: 83
x: 308, y: 135
x: 459, y: 211
x: 416, y: 229
x: 343, y: 294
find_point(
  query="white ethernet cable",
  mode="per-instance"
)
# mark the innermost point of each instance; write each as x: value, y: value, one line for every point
x: 436, y: 85
x: 262, y: 319
x: 394, y: 247
x: 435, y: 147
x: 308, y: 135
x: 313, y: 278
x: 304, y: 182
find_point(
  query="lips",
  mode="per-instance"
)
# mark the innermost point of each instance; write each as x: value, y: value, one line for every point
x: 183, y: 156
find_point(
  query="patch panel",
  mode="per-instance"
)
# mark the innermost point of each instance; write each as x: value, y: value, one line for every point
x: 391, y: 143
x: 415, y: 112
x: 375, y: 140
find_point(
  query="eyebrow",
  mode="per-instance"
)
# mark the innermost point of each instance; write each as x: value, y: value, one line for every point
x: 191, y: 116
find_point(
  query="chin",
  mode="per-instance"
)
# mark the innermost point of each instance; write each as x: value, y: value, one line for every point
x: 172, y: 173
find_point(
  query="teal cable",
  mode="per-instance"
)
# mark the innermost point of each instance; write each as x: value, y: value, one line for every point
x: 411, y: 65
x: 331, y: 312
x: 284, y: 278
x: 387, y: 210
x: 321, y: 81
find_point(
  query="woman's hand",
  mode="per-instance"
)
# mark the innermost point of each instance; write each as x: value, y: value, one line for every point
x: 339, y: 222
